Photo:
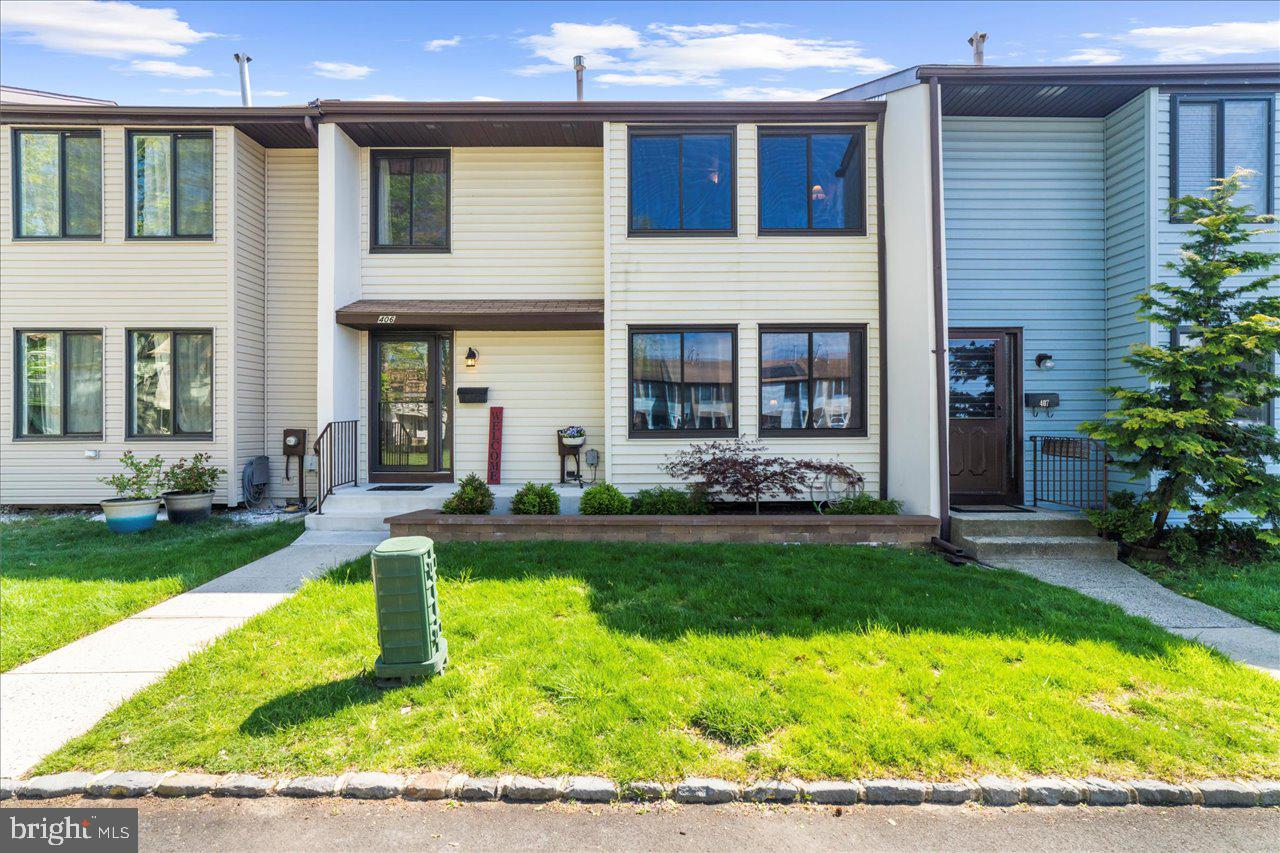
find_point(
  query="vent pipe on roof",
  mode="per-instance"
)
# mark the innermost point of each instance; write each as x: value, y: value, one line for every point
x: 246, y: 95
x: 578, y: 68
x: 977, y: 40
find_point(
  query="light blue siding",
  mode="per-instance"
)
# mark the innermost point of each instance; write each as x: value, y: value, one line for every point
x: 1025, y: 247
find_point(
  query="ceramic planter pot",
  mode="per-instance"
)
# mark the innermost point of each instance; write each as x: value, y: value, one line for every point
x: 188, y: 507
x: 573, y: 442
x: 126, y: 515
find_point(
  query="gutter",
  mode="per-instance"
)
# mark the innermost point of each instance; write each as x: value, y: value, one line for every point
x: 939, y: 310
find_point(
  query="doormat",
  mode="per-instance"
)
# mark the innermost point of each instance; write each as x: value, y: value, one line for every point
x: 399, y: 488
x: 989, y: 508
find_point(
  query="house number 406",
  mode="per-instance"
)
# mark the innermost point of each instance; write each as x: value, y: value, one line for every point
x: 385, y: 319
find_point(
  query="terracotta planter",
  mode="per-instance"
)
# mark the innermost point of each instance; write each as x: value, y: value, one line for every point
x: 126, y: 515
x: 188, y: 507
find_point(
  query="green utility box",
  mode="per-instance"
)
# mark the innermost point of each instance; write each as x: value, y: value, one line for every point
x: 404, y: 592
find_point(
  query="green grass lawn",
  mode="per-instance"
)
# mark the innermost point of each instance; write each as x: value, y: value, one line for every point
x: 62, y: 577
x: 653, y: 661
x: 1250, y: 591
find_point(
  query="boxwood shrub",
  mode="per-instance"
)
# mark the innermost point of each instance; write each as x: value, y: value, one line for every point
x: 473, y: 497
x: 536, y: 499
x: 665, y: 500
x: 864, y: 504
x: 604, y: 499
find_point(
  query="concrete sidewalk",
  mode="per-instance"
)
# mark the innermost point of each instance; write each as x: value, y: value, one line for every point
x: 1137, y: 594
x: 47, y: 701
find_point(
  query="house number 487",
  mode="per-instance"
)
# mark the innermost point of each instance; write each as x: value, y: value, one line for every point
x: 386, y: 319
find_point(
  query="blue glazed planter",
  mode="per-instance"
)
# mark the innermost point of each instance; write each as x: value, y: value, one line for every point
x: 125, y: 515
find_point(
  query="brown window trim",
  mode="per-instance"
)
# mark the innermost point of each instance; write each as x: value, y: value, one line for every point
x: 681, y: 131
x: 62, y: 355
x: 129, y: 434
x: 860, y: 351
x: 16, y: 163
x: 679, y: 329
x: 130, y: 185
x: 859, y: 132
x: 377, y: 154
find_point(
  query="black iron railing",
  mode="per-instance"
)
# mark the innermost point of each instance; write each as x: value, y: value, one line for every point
x: 337, y: 457
x: 1068, y: 471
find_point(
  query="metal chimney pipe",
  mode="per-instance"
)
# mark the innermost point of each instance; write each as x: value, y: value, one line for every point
x: 578, y: 68
x: 246, y: 95
x: 977, y: 40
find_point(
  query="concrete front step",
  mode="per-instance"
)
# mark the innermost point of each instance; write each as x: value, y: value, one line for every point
x: 347, y: 521
x: 1021, y: 524
x: 992, y: 548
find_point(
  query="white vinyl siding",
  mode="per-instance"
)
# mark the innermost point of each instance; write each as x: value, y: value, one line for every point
x: 248, y: 317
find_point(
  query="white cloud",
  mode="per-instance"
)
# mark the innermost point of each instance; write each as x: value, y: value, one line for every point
x: 271, y: 93
x: 341, y: 70
x: 697, y: 54
x: 381, y: 98
x: 436, y: 45
x: 165, y: 68
x: 117, y: 30
x: 773, y: 93
x: 225, y: 93
x: 1093, y: 56
x: 484, y: 98
x: 1207, y: 41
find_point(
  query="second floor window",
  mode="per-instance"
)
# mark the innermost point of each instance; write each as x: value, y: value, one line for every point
x: 59, y: 381
x: 1212, y: 137
x: 170, y: 184
x: 57, y: 183
x: 811, y: 181
x: 681, y: 182
x: 170, y: 383
x: 410, y: 201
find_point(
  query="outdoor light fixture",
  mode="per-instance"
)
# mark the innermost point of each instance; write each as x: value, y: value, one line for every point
x: 1044, y: 361
x: 472, y: 357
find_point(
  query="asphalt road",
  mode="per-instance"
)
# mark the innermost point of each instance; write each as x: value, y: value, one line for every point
x: 282, y: 824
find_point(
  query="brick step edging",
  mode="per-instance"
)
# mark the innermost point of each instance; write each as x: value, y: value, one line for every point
x: 989, y: 790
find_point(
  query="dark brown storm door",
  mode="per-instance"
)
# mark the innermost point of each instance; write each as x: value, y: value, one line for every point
x: 982, y: 422
x: 409, y: 393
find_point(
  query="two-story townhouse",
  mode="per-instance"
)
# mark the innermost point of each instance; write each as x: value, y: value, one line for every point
x: 1054, y: 185
x: 385, y: 276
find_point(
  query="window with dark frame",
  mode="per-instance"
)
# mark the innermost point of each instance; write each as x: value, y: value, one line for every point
x: 683, y: 381
x: 170, y: 184
x: 813, y: 380
x: 58, y: 377
x: 57, y: 184
x: 409, y: 201
x: 811, y: 180
x: 1264, y: 414
x: 681, y: 181
x: 1213, y: 136
x: 170, y: 383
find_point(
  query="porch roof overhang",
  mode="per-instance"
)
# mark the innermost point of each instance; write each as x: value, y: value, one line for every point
x: 492, y: 315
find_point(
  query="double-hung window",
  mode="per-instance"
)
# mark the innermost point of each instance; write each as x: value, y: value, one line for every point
x: 681, y: 182
x: 170, y: 184
x: 59, y: 383
x: 1264, y: 413
x: 410, y: 201
x: 1214, y: 136
x: 57, y: 184
x: 813, y: 380
x: 811, y: 180
x: 170, y: 383
x: 683, y: 381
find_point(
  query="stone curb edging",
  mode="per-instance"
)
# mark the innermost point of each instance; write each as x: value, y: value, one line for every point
x: 440, y: 785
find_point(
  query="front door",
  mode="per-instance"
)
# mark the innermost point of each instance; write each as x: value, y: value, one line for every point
x: 984, y: 463
x: 410, y: 389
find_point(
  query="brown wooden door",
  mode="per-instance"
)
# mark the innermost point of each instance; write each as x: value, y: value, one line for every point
x: 981, y: 416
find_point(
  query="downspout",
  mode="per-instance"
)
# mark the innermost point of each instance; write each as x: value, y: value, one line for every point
x: 939, y: 309
x: 884, y: 311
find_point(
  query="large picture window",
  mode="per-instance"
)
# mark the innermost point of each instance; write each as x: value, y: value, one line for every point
x: 1212, y: 137
x: 811, y: 181
x: 170, y: 384
x: 681, y: 182
x: 170, y: 184
x: 57, y: 184
x: 410, y: 201
x: 59, y: 382
x: 683, y: 381
x: 813, y: 380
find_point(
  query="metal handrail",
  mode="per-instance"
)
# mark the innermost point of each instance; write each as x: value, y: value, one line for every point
x: 1068, y: 471
x: 336, y: 458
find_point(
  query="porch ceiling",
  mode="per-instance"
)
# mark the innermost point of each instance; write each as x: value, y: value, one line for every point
x: 494, y: 315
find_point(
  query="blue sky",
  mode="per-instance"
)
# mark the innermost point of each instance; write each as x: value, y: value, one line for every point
x: 180, y: 53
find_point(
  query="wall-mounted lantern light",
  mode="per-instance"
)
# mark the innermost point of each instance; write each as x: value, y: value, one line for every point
x: 1044, y: 361
x: 471, y: 358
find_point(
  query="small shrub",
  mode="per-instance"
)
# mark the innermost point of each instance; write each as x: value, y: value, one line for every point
x: 665, y: 500
x: 194, y: 477
x: 864, y: 504
x: 141, y: 480
x: 604, y: 499
x: 739, y: 469
x: 1128, y: 518
x: 536, y: 499
x: 473, y: 497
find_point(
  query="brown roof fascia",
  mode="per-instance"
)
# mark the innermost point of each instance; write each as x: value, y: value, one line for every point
x: 597, y: 111
x: 96, y: 114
